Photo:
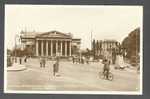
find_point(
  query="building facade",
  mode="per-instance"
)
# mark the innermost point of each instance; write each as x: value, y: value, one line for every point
x: 104, y: 47
x: 51, y: 43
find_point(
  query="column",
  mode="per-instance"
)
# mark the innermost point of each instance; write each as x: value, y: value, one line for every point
x: 56, y: 47
x: 41, y: 48
x: 61, y: 48
x: 51, y: 48
x: 65, y: 48
x: 46, y: 48
x: 37, y: 51
x: 70, y: 48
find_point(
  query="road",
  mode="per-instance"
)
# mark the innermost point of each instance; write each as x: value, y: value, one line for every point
x: 73, y: 77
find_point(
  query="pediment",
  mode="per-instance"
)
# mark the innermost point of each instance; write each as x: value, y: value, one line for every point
x: 53, y: 34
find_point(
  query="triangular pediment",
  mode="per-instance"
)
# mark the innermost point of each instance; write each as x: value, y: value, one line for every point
x: 54, y: 34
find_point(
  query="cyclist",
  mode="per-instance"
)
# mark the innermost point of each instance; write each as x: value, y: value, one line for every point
x: 106, y: 67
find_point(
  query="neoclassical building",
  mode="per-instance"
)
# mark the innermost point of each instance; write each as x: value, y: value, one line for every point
x: 51, y: 43
x: 100, y: 47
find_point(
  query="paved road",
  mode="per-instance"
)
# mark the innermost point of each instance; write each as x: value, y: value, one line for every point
x: 73, y: 77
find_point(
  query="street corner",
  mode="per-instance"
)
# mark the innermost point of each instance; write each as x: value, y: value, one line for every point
x: 17, y: 67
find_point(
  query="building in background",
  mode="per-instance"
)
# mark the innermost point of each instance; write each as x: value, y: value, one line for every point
x: 101, y: 47
x: 49, y: 44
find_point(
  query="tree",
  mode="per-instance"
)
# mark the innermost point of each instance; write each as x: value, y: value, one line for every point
x: 132, y: 45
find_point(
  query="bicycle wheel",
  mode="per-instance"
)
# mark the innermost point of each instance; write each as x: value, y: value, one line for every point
x: 101, y: 75
x: 110, y: 76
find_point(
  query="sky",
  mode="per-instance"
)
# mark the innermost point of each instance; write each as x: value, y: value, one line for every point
x: 104, y: 22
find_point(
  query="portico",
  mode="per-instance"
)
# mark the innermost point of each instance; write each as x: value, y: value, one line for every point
x: 53, y: 47
x: 52, y: 43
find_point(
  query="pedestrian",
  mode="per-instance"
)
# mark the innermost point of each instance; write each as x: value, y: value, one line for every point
x: 87, y: 61
x: 20, y: 60
x: 25, y: 59
x: 44, y: 62
x: 78, y: 60
x: 124, y: 55
x: 106, y: 67
x: 73, y: 59
x: 41, y: 62
x: 56, y: 67
x: 113, y: 56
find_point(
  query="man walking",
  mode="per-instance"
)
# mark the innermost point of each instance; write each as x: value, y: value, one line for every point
x: 56, y: 67
x: 106, y: 67
x: 41, y: 63
x: 113, y: 56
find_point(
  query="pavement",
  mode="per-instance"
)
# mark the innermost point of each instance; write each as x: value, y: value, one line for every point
x: 17, y: 67
x: 73, y: 77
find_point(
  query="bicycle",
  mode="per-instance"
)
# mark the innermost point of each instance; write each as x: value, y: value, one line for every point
x: 102, y: 75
